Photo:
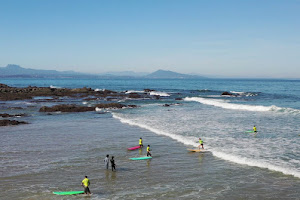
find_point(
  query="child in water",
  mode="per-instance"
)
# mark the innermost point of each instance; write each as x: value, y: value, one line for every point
x: 201, y: 143
x: 148, y: 151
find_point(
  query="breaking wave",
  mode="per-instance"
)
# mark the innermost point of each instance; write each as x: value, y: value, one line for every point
x: 162, y: 94
x: 227, y: 105
x: 190, y: 140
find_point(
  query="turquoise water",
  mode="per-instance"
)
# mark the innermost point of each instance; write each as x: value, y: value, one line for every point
x: 54, y: 152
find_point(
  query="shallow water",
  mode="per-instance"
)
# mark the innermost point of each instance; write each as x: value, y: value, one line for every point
x: 43, y: 159
x: 55, y: 152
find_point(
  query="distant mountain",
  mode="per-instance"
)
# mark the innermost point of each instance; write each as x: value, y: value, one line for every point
x: 163, y: 74
x: 125, y: 73
x: 17, y: 71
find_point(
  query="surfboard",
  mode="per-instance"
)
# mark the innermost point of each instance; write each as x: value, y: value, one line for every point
x: 250, y: 132
x: 69, y: 192
x: 140, y: 158
x: 196, y: 150
x: 134, y: 148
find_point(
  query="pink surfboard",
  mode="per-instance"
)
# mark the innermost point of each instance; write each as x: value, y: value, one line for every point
x: 134, y: 148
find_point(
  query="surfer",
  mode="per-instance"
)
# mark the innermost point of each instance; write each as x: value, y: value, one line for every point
x: 141, y: 142
x: 201, y: 143
x: 254, y: 129
x: 113, y: 165
x: 148, y: 151
x: 106, y: 161
x: 86, y: 183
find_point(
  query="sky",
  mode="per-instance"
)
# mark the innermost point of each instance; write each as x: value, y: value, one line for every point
x: 242, y: 38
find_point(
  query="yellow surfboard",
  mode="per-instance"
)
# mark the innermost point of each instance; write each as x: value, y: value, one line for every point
x: 196, y: 150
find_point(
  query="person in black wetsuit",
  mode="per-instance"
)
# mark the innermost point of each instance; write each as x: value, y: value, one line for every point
x: 113, y: 165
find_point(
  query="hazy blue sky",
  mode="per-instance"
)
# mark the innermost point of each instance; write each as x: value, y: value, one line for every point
x: 230, y: 38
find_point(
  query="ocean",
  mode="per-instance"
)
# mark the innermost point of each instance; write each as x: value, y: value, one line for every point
x: 55, y: 152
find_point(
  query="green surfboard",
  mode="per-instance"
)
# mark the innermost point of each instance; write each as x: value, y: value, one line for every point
x: 250, y: 132
x: 69, y: 192
x: 140, y: 158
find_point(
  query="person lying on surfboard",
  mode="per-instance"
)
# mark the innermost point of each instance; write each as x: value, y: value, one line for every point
x: 148, y: 151
x: 86, y: 183
x: 201, y: 143
x: 254, y: 129
x: 141, y: 142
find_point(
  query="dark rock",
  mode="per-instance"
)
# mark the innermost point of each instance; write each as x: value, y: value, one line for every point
x: 148, y: 90
x: 11, y: 122
x: 226, y: 93
x: 91, y: 99
x: 5, y: 115
x: 156, y: 96
x: 12, y: 93
x: 178, y: 99
x: 66, y: 108
x: 4, y: 86
x: 110, y: 105
x: 134, y: 96
x: 132, y: 106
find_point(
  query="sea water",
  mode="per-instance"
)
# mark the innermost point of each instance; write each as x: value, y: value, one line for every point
x: 55, y: 152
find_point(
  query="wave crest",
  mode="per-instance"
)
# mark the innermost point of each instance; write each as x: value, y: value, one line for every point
x: 227, y: 105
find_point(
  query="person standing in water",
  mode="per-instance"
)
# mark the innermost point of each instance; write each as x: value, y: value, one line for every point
x: 113, y: 165
x: 201, y: 143
x: 148, y: 151
x: 86, y: 183
x: 141, y: 142
x: 106, y: 161
x: 254, y: 129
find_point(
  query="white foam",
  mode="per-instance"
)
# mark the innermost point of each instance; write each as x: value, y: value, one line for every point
x: 52, y: 86
x: 234, y: 92
x: 133, y: 91
x: 255, y: 163
x: 192, y: 141
x: 227, y: 105
x: 162, y: 94
x: 243, y: 93
x: 178, y: 138
x: 99, y: 90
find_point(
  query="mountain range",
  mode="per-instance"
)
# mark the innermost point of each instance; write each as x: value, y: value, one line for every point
x: 13, y: 71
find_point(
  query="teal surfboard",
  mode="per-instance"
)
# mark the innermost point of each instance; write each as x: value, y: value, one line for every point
x: 69, y: 192
x: 140, y: 158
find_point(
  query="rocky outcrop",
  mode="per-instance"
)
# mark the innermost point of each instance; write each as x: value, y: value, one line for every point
x: 226, y: 93
x: 5, y: 115
x: 76, y: 108
x: 11, y: 122
x: 66, y: 108
x: 91, y: 99
x: 148, y: 90
x: 135, y: 96
x: 4, y: 86
x: 110, y: 105
x: 132, y: 106
x: 8, y: 93
x: 13, y: 93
